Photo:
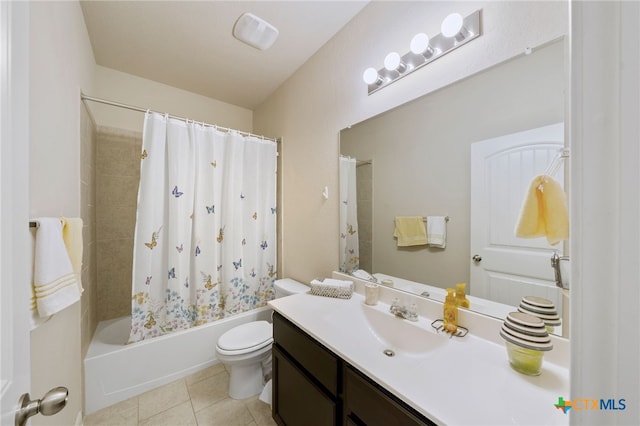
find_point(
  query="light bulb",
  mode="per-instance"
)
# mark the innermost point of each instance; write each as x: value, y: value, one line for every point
x: 392, y: 61
x: 419, y: 43
x: 452, y: 25
x: 370, y: 76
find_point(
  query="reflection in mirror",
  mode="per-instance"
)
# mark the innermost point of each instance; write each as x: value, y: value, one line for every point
x: 415, y: 160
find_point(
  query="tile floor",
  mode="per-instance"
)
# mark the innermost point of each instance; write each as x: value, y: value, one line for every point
x: 200, y: 399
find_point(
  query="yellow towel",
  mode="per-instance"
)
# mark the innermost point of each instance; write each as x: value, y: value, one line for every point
x: 544, y: 211
x: 410, y: 231
x: 72, y: 237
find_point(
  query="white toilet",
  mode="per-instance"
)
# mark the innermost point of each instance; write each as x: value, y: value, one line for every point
x: 247, y: 348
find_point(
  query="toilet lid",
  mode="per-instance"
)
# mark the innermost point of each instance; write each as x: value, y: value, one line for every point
x: 252, y: 335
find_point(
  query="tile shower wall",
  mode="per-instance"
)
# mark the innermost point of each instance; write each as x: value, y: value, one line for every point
x: 117, y: 178
x: 89, y: 300
x: 364, y: 186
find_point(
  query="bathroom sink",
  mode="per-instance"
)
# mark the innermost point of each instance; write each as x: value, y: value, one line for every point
x: 379, y: 330
x: 401, y: 335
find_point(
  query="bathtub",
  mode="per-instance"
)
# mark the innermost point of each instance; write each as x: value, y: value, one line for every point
x: 114, y: 371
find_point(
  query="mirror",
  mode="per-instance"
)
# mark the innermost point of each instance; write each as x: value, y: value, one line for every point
x: 415, y: 160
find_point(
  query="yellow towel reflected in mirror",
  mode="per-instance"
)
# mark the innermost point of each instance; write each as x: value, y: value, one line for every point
x: 544, y: 211
x: 410, y: 231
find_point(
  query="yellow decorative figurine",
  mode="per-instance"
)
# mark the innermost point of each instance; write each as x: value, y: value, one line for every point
x: 461, y: 297
x: 450, y: 312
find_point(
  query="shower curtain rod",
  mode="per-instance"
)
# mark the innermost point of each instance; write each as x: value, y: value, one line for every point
x: 139, y: 109
x: 358, y: 162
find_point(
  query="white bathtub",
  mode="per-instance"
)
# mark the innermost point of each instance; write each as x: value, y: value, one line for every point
x: 114, y: 371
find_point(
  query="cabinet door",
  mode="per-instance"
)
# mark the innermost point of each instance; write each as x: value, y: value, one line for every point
x: 366, y: 404
x: 320, y: 363
x: 297, y: 400
x: 350, y: 422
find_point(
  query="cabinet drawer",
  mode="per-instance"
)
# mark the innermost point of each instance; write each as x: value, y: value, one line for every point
x: 311, y: 355
x: 366, y: 404
x: 298, y: 400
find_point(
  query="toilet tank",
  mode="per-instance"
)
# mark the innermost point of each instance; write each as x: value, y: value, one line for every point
x: 287, y: 286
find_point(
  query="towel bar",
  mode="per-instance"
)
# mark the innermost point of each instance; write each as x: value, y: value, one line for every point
x: 446, y: 218
x: 34, y: 224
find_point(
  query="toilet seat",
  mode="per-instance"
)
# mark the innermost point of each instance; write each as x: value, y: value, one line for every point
x: 246, y: 338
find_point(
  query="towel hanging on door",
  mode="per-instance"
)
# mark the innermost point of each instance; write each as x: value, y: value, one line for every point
x: 55, y: 284
x: 544, y: 211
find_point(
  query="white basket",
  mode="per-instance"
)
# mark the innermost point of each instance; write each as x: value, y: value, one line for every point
x: 332, y: 291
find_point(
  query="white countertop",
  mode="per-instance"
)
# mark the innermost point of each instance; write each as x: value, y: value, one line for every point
x: 462, y: 381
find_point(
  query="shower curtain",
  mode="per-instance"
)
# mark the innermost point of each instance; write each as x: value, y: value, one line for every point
x: 205, y: 237
x: 349, y: 252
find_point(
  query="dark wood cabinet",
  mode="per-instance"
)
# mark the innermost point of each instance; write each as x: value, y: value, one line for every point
x: 312, y: 386
x: 297, y: 400
x: 366, y: 403
x: 306, y: 382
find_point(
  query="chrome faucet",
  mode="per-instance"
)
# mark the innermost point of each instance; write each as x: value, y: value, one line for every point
x: 409, y: 313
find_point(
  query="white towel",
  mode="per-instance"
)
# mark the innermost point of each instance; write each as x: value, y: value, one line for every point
x: 55, y: 285
x: 337, y: 283
x: 333, y: 283
x: 437, y: 231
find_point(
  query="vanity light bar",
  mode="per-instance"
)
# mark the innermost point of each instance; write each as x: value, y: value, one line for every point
x: 437, y: 46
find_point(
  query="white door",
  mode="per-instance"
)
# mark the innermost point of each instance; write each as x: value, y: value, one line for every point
x: 504, y: 268
x: 15, y: 276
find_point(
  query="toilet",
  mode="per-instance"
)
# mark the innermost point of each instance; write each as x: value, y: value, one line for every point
x: 247, y: 348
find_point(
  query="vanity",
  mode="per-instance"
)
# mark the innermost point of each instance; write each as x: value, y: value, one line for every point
x: 313, y: 386
x: 341, y: 362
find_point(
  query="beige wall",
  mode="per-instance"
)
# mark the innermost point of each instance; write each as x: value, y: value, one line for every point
x: 131, y: 90
x: 327, y: 94
x: 421, y: 156
x: 61, y: 63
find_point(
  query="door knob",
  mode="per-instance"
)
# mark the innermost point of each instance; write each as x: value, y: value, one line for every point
x: 477, y: 258
x: 51, y: 403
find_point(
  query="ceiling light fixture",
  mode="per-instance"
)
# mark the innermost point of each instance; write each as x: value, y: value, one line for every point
x: 255, y: 31
x: 456, y: 31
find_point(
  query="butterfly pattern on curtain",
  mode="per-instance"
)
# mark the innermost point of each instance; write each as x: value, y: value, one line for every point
x: 205, y: 241
x: 349, y: 247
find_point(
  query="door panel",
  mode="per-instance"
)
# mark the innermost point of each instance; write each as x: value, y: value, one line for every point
x: 15, y: 277
x: 501, y: 171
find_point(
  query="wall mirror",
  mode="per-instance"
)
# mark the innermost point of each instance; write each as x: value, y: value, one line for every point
x: 416, y: 160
